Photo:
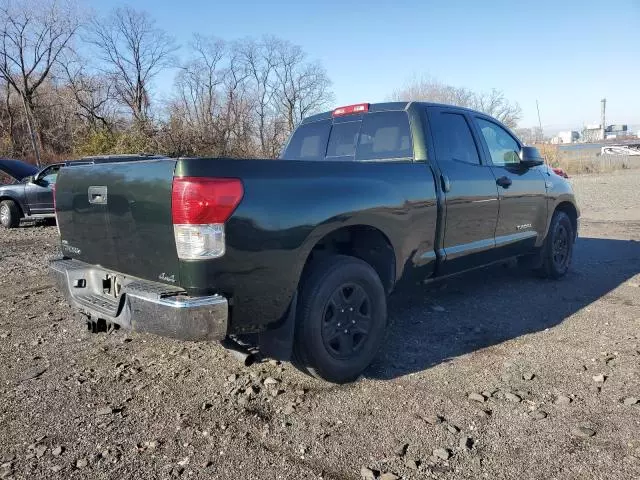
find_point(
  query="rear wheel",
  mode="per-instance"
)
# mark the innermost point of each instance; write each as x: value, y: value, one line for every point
x: 9, y: 214
x: 341, y: 321
x: 558, y: 247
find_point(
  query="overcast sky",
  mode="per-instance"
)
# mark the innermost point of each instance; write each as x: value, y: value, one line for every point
x: 566, y: 54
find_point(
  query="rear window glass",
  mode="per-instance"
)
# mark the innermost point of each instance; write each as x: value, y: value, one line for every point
x: 309, y: 142
x: 385, y: 135
x: 343, y: 138
x: 373, y: 136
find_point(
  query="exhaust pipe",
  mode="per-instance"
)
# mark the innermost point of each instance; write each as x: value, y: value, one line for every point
x: 239, y: 351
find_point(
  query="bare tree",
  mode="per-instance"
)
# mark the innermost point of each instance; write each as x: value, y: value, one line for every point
x: 198, y: 84
x: 133, y: 51
x: 301, y: 87
x: 93, y: 93
x: 33, y: 34
x: 492, y: 103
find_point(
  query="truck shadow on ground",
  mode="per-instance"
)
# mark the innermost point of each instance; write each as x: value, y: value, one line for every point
x: 434, y: 324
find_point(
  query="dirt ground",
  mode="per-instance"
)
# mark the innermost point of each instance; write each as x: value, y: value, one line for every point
x: 552, y: 367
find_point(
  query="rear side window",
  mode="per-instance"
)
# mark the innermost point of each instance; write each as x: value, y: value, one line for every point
x: 453, y: 140
x: 385, y: 135
x: 309, y: 142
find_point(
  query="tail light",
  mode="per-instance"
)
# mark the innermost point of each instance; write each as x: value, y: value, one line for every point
x: 199, y: 208
x: 351, y: 109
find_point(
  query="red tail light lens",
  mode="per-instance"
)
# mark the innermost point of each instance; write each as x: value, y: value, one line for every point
x: 201, y: 201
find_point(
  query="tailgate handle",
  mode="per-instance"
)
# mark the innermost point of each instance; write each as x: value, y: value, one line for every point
x: 98, y: 195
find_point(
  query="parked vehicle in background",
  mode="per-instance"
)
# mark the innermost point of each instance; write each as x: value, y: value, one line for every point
x: 30, y: 196
x: 630, y: 150
x: 304, y: 250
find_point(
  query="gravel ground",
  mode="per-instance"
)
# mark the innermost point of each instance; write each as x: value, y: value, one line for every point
x: 494, y: 375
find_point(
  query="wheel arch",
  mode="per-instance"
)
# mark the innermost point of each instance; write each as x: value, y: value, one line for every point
x: 21, y: 210
x: 366, y: 242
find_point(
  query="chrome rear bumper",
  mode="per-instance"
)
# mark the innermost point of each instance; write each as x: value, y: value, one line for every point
x: 140, y: 304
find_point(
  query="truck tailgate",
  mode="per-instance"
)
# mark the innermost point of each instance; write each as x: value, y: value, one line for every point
x: 118, y: 215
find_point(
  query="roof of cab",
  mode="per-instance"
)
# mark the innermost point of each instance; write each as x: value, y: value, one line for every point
x: 385, y: 106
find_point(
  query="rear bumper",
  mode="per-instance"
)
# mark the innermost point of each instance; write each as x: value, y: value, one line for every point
x: 141, y: 305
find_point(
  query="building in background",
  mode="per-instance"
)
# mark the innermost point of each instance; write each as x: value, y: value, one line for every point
x: 570, y: 136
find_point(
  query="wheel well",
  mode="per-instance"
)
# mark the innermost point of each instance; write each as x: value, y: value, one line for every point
x: 363, y: 242
x: 17, y: 204
x: 570, y: 210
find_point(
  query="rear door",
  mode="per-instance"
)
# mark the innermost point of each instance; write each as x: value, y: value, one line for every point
x: 471, y: 194
x: 521, y: 191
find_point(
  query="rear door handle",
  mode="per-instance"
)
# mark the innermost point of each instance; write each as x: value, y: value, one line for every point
x: 504, y: 182
x: 446, y: 184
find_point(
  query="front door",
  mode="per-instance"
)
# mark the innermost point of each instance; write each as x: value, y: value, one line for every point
x: 471, y: 193
x: 522, y: 191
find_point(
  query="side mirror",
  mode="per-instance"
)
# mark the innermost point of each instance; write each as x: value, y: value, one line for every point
x: 30, y: 179
x: 530, y: 157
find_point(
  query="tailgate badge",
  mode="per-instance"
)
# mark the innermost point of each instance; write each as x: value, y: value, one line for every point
x: 167, y: 278
x: 98, y: 195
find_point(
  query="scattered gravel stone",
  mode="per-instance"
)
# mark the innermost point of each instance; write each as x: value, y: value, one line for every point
x: 453, y: 428
x: 599, y: 378
x: 477, y: 397
x: 233, y: 377
x: 56, y: 452
x: 56, y: 468
x: 289, y: 409
x: 442, y: 453
x: 105, y: 411
x: 31, y: 374
x: 401, y: 449
x: 271, y: 381
x: 512, y: 397
x: 412, y: 463
x: 583, y: 432
x: 563, y: 400
x: 528, y: 376
x: 6, y: 471
x: 433, y: 419
x: 466, y: 443
x: 39, y: 450
x: 538, y: 415
x: 367, y: 474
x: 82, y: 462
x: 630, y: 401
x: 389, y: 476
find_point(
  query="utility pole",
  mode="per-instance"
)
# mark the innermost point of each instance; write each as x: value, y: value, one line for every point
x: 539, y: 121
x: 603, y: 104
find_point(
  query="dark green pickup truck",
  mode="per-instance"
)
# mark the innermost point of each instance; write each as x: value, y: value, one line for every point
x: 301, y: 252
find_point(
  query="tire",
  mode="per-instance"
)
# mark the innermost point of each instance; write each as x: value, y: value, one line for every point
x: 558, y: 247
x: 341, y: 319
x: 9, y: 214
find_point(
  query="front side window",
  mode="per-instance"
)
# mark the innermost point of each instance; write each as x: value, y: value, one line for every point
x: 453, y: 140
x: 502, y: 146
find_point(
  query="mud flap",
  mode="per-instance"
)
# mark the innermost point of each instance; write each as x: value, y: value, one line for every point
x: 277, y: 343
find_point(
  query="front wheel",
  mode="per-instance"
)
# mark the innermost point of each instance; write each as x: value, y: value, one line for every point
x: 557, y: 250
x: 341, y: 319
x: 9, y: 214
